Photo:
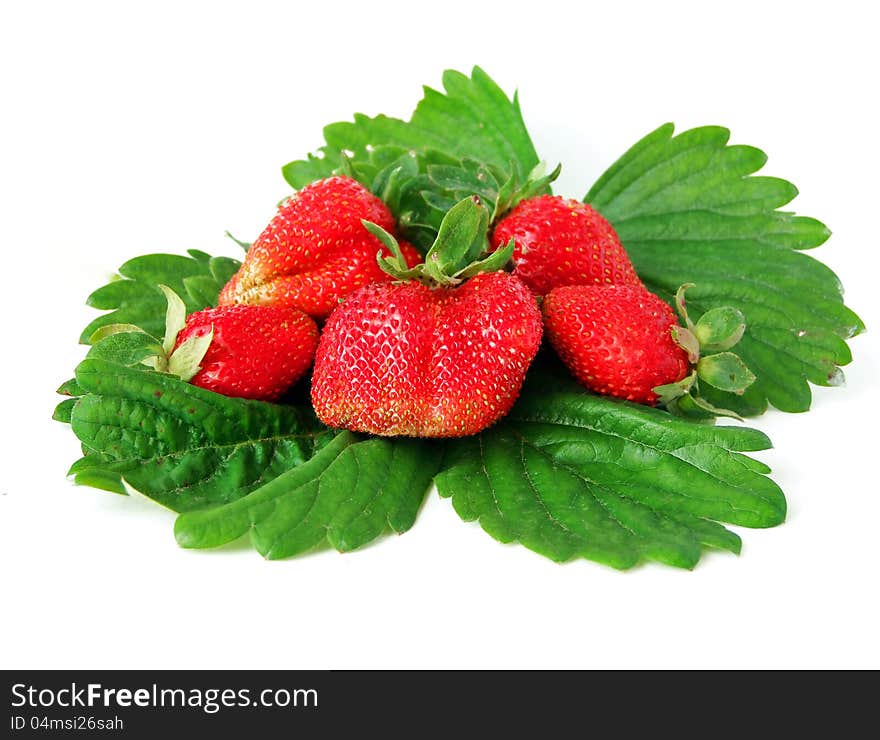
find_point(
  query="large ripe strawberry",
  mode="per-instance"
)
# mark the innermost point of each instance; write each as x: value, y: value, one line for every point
x: 407, y: 359
x: 440, y: 354
x: 315, y: 251
x: 255, y: 352
x: 623, y: 341
x: 563, y: 242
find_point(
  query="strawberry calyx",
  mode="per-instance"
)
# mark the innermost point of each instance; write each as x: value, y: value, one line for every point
x: 184, y: 361
x: 707, y: 343
x: 511, y: 193
x: 460, y: 251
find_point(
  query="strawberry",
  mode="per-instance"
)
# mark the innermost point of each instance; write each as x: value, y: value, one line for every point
x: 256, y: 351
x: 408, y: 359
x: 623, y: 341
x: 563, y: 242
x: 315, y: 251
x: 439, y: 354
x: 253, y: 352
x: 615, y: 339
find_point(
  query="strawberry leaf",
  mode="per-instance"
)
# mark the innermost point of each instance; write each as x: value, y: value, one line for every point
x: 690, y: 209
x: 348, y: 494
x: 183, y: 446
x: 569, y: 474
x: 136, y: 298
x: 488, y: 127
x: 468, y: 140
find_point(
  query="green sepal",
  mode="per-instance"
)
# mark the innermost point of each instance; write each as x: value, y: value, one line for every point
x: 175, y: 318
x: 460, y: 251
x: 244, y: 245
x: 537, y: 182
x: 395, y: 265
x: 681, y: 304
x: 686, y: 407
x: 720, y: 328
x: 184, y: 362
x: 388, y: 183
x: 462, y: 238
x: 725, y: 371
x: 129, y: 345
x: 712, y: 410
x: 669, y: 392
x: 686, y: 339
x: 497, y: 260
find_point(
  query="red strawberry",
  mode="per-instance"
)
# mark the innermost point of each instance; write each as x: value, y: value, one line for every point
x: 316, y: 250
x: 256, y: 351
x: 563, y: 242
x: 408, y: 359
x: 615, y: 339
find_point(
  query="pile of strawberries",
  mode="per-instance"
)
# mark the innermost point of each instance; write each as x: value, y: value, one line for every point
x: 431, y: 349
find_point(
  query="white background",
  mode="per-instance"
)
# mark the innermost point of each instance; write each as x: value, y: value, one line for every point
x: 132, y: 128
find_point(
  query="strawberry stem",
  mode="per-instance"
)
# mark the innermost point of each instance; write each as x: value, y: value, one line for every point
x: 460, y: 251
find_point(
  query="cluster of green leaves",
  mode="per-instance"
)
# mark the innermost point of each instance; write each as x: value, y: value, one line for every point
x: 566, y: 473
x: 468, y: 140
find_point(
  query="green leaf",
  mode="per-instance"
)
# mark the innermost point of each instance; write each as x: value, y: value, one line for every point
x: 126, y: 348
x: 70, y: 388
x: 473, y: 118
x: 569, y: 474
x: 202, y: 289
x: 90, y: 471
x: 64, y: 410
x: 347, y: 494
x: 468, y: 140
x: 689, y: 209
x: 183, y: 446
x: 137, y: 299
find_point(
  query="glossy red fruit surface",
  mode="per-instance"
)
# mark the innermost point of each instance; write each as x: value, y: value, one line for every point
x: 406, y: 359
x: 615, y: 339
x: 315, y: 251
x: 257, y: 352
x: 563, y: 242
